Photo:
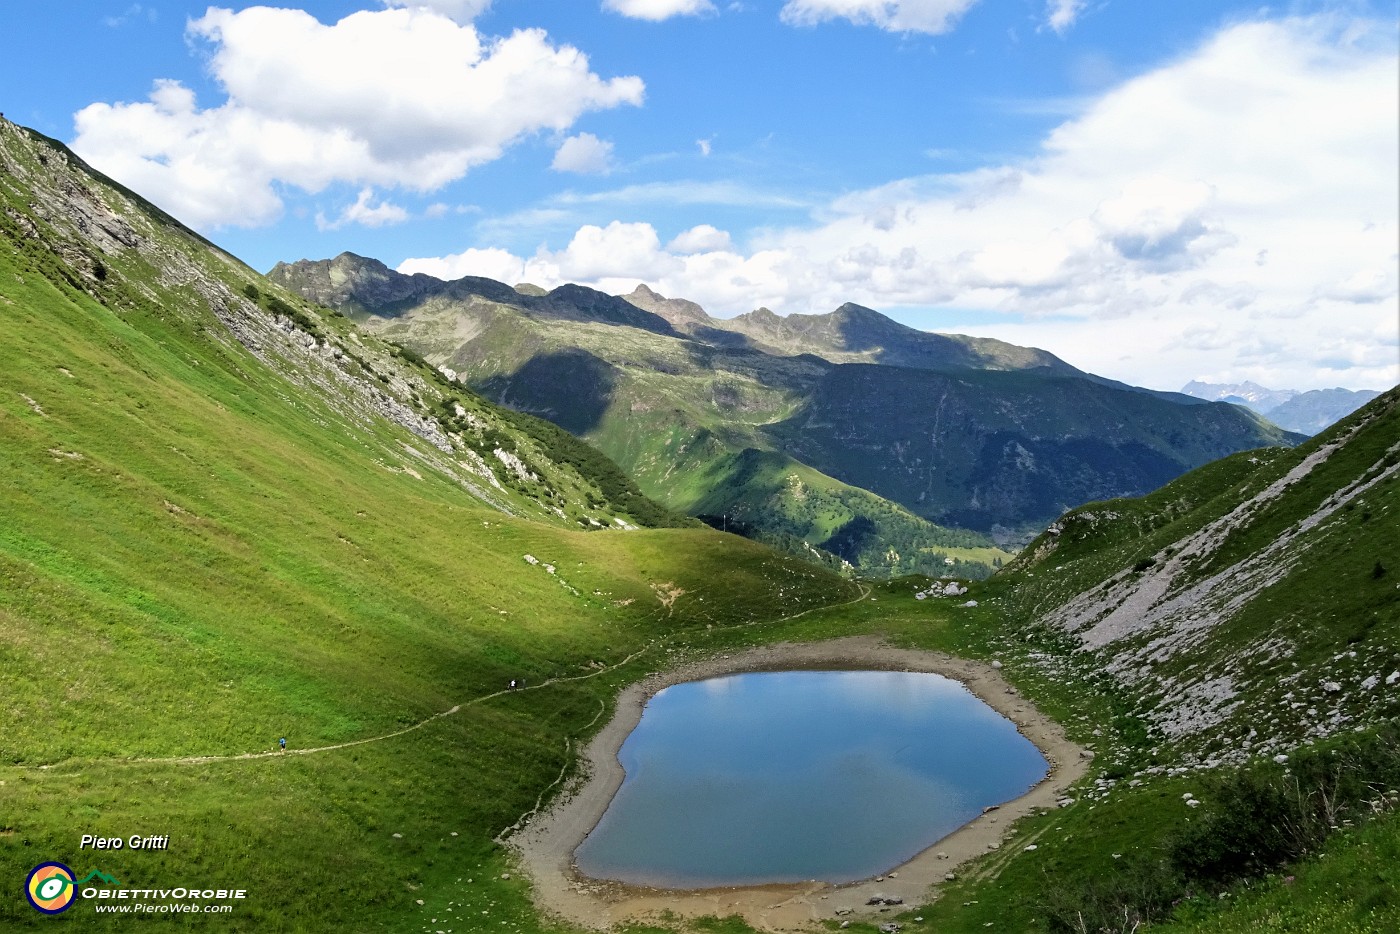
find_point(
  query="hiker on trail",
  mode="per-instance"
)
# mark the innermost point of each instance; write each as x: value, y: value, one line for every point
x: 512, y: 684
x: 282, y: 743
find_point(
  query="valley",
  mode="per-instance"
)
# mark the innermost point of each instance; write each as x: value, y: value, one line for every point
x: 847, y: 433
x: 233, y: 512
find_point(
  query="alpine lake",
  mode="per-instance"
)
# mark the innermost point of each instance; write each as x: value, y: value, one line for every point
x: 789, y: 776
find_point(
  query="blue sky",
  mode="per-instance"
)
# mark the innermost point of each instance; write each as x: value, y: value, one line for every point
x: 1155, y: 192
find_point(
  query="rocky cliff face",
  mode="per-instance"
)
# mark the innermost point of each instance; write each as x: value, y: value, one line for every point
x: 355, y: 282
x: 683, y: 315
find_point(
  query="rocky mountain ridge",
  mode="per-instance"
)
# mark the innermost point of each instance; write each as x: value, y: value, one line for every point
x: 961, y: 432
x: 850, y: 334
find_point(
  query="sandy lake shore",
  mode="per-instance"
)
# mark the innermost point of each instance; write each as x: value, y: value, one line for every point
x: 546, y: 844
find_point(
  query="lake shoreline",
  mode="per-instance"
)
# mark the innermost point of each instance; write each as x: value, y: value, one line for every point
x: 546, y: 844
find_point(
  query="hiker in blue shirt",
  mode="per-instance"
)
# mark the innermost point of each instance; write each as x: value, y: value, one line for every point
x: 283, y: 743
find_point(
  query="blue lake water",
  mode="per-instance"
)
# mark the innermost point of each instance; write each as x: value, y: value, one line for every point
x: 794, y: 775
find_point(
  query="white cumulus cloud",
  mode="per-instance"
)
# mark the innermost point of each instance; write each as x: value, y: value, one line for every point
x: 584, y: 154
x: 461, y: 11
x: 927, y: 16
x: 397, y: 97
x: 703, y: 238
x: 657, y: 10
x: 1244, y: 194
x: 365, y: 212
x: 616, y: 251
x: 489, y: 263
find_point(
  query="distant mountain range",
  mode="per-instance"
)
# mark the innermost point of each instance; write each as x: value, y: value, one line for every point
x: 1304, y: 412
x: 791, y: 423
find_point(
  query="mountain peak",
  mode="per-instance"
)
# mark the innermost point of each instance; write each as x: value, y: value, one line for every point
x: 347, y: 258
x: 678, y: 311
x: 852, y: 310
x: 1259, y: 398
x: 860, y: 324
x: 857, y: 334
x: 351, y: 280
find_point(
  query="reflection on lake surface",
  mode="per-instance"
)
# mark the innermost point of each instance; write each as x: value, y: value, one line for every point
x: 795, y: 775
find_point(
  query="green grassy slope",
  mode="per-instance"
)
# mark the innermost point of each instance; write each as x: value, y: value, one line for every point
x: 204, y: 547
x: 683, y: 421
x: 1255, y: 595
x: 779, y: 496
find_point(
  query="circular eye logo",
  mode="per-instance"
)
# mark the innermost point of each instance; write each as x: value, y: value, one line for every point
x: 50, y: 888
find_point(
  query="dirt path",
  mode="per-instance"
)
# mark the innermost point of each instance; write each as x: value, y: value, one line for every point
x: 408, y: 729
x: 312, y: 750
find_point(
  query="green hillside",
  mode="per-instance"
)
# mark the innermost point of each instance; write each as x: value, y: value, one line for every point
x: 228, y: 518
x: 989, y: 449
x: 1235, y: 596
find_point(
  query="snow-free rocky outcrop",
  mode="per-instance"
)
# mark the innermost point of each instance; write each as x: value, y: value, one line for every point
x: 1271, y: 617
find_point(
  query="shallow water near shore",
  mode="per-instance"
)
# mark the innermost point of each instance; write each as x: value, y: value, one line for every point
x: 788, y: 776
